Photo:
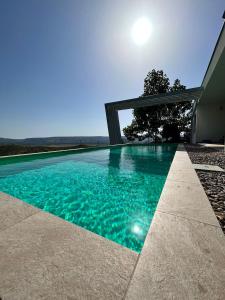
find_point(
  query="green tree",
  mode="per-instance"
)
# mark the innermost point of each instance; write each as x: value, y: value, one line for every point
x: 169, y: 119
x: 156, y: 82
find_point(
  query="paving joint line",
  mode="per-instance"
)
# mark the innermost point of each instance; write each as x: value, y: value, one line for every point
x: 188, y: 219
x: 19, y: 222
x: 132, y: 275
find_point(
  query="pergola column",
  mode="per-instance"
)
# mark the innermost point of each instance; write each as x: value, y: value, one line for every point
x: 113, y: 125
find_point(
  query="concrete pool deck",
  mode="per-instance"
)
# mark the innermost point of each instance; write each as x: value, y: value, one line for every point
x: 45, y: 257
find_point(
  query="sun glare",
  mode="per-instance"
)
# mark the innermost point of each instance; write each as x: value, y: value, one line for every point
x: 141, y: 31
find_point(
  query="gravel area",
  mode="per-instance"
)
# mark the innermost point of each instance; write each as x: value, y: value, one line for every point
x: 213, y: 182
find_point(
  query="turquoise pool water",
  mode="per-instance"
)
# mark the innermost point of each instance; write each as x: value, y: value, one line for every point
x: 112, y: 191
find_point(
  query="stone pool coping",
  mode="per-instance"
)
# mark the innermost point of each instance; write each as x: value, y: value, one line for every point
x: 183, y: 257
x: 184, y: 252
x: 63, y: 150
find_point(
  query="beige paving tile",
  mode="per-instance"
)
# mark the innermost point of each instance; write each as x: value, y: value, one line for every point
x: 187, y: 175
x: 181, y: 164
x: 205, y: 167
x: 5, y: 198
x: 181, y: 154
x: 181, y: 161
x: 181, y: 151
x: 181, y: 259
x: 13, y: 211
x: 186, y: 200
x: 181, y: 169
x: 44, y: 257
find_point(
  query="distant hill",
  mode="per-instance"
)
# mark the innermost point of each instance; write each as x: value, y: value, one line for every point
x: 66, y: 140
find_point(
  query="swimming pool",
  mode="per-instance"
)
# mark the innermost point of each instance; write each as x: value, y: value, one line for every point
x: 110, y: 191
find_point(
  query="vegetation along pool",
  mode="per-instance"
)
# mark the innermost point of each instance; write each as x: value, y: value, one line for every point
x: 110, y: 191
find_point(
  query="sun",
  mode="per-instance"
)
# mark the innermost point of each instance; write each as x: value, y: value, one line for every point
x: 141, y: 31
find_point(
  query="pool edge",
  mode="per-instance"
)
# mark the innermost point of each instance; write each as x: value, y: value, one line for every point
x: 169, y: 266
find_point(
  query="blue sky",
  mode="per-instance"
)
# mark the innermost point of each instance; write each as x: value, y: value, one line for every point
x: 61, y: 60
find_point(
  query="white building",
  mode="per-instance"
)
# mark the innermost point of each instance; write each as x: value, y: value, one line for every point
x: 209, y: 111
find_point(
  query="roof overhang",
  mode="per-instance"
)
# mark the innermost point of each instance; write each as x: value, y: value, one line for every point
x: 213, y: 81
x: 173, y: 97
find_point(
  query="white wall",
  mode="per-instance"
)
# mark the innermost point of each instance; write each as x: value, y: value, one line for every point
x: 210, y: 122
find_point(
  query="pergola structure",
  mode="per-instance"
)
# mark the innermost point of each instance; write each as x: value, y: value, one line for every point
x: 112, y: 108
